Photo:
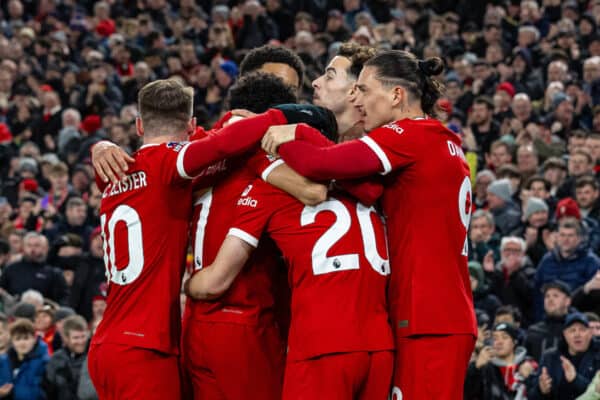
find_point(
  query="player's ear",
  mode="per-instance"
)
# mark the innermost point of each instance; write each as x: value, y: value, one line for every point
x: 398, y: 96
x: 139, y: 127
x: 191, y: 126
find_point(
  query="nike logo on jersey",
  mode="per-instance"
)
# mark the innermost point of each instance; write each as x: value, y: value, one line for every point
x: 394, y: 127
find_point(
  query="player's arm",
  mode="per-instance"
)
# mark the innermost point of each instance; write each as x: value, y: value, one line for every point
x: 232, y: 140
x: 306, y: 191
x: 211, y: 282
x: 348, y: 160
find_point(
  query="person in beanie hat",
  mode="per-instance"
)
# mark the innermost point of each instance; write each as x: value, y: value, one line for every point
x: 567, y: 370
x: 535, y: 206
x: 571, y: 261
x: 482, y: 299
x: 500, y: 370
x: 506, y: 214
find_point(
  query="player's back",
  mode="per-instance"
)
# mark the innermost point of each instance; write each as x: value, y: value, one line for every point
x: 427, y: 204
x: 145, y: 221
x: 251, y: 295
x: 336, y: 270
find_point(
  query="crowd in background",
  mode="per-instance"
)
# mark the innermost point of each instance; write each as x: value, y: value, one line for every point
x: 522, y: 90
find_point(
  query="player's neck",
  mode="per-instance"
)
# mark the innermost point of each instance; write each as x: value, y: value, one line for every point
x: 413, y: 111
x: 158, y: 139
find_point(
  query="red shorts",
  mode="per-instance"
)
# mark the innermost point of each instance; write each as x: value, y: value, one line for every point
x: 227, y: 361
x: 122, y: 372
x: 356, y: 375
x: 431, y: 367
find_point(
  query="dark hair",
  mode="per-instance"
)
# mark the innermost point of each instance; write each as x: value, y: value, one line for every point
x: 74, y: 323
x: 259, y: 56
x: 486, y: 100
x: 258, y: 91
x: 357, y: 54
x: 404, y: 68
x: 537, y: 178
x: 21, y: 328
x: 586, y: 180
x: 508, y: 309
x: 164, y: 103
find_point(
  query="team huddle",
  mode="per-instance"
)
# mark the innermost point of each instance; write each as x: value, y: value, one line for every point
x: 329, y: 240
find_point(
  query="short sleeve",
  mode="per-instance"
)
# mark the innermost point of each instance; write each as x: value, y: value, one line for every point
x: 262, y: 164
x: 395, y: 144
x: 171, y: 163
x: 253, y: 211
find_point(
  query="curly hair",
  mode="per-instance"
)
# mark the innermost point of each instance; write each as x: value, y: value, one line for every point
x: 259, y: 56
x: 358, y: 54
x: 258, y: 91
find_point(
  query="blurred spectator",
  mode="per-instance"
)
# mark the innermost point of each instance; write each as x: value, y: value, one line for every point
x: 579, y: 165
x: 501, y: 369
x: 586, y: 194
x: 511, y: 279
x: 74, y: 222
x: 500, y: 154
x: 22, y: 368
x: 482, y: 182
x: 482, y: 237
x: 506, y: 214
x: 512, y: 316
x: 546, y: 333
x: 89, y: 276
x: 44, y: 326
x: 485, y: 129
x: 567, y: 370
x: 594, y: 320
x: 4, y: 335
x: 62, y: 377
x: 33, y: 272
x: 33, y: 297
x: 554, y: 171
x: 482, y: 298
x: 587, y: 297
x: 571, y: 261
x: 536, y: 229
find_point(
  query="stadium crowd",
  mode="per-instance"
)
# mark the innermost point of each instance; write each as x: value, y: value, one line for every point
x: 522, y: 91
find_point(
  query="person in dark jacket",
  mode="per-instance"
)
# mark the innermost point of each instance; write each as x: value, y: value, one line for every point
x: 571, y: 261
x: 512, y: 278
x: 33, y: 273
x: 587, y: 297
x: 22, y: 369
x: 546, y: 334
x: 565, y: 372
x: 482, y: 237
x: 63, y: 371
x: 482, y: 299
x: 500, y: 370
x: 506, y: 214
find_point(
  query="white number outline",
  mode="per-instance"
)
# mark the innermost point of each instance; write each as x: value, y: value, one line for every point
x: 465, y: 215
x: 322, y: 264
x: 135, y: 245
x: 205, y: 201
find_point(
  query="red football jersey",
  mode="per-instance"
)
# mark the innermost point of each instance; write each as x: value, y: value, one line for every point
x: 145, y: 222
x: 427, y: 205
x: 338, y: 268
x: 216, y: 192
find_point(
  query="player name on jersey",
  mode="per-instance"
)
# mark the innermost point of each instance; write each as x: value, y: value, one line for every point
x: 134, y: 181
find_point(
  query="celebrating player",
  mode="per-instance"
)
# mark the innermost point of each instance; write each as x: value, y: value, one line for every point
x: 145, y: 220
x: 340, y: 342
x: 427, y: 206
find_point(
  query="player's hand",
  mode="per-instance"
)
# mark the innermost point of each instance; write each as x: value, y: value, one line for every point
x: 545, y: 382
x: 5, y: 389
x: 485, y: 356
x: 276, y: 136
x: 110, y: 161
x: 568, y: 368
